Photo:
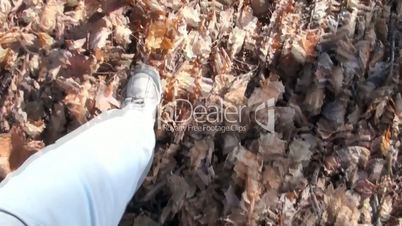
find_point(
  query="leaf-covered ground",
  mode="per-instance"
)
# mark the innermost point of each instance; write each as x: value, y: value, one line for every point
x: 331, y: 67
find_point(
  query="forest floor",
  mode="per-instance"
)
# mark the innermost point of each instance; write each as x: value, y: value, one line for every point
x: 275, y: 112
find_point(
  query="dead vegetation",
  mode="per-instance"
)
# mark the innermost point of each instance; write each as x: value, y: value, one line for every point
x: 330, y: 67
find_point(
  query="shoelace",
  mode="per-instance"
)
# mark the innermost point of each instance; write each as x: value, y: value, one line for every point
x: 135, y: 100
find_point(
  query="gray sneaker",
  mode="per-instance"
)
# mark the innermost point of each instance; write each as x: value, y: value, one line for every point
x: 144, y: 87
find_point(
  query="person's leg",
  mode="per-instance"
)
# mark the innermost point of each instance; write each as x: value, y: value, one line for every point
x: 7, y: 219
x: 87, y: 177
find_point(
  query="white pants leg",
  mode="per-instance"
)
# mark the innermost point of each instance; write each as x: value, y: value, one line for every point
x: 87, y: 177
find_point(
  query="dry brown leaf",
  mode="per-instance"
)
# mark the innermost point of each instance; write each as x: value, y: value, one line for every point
x: 52, y: 64
x: 248, y: 169
x: 229, y: 143
x: 199, y: 152
x: 335, y: 112
x: 49, y: 15
x: 341, y: 207
x: 77, y: 102
x: 386, y: 208
x: 197, y: 45
x: 236, y: 90
x: 222, y: 62
x: 76, y: 44
x: 269, y: 90
x: 270, y: 145
x: 299, y: 151
x: 353, y: 156
x: 4, y: 55
x: 5, y: 150
x: 191, y: 15
x: 122, y: 35
x: 21, y: 148
x: 314, y: 100
x: 98, y: 39
x: 251, y: 196
x: 247, y: 21
x: 12, y: 37
x: 375, y: 169
x: 160, y: 35
x: 187, y: 80
x: 272, y: 178
x: 35, y: 128
x: 45, y: 40
x: 309, y: 42
x: 225, y: 20
x: 385, y: 142
x: 104, y: 99
x: 178, y: 189
x: 31, y: 14
x: 236, y: 40
x: 365, y: 211
x: 5, y: 8
x: 364, y: 187
x: 248, y: 164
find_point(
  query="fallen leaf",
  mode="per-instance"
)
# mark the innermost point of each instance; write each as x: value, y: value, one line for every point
x: 269, y: 90
x: 191, y: 15
x: 49, y: 15
x: 122, y: 35
x: 5, y: 150
x: 21, y: 149
x: 237, y: 89
x: 45, y: 40
x: 104, y: 99
x: 76, y: 102
x: 98, y: 39
x: 299, y: 151
x: 270, y: 145
x: 236, y: 40
x: 199, y: 152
